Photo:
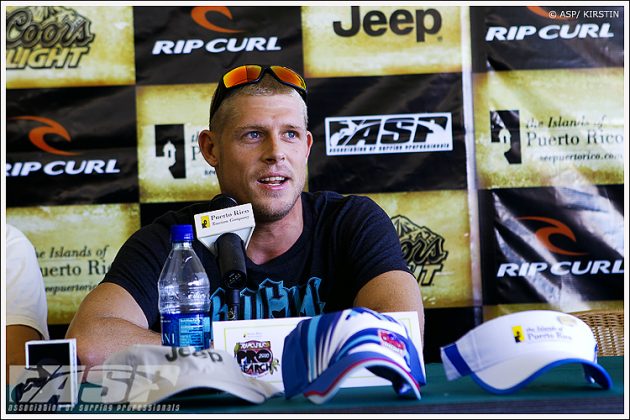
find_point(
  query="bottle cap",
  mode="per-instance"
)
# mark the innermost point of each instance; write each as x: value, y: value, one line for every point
x: 181, y: 233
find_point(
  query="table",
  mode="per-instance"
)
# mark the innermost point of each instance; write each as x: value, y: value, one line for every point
x: 560, y: 390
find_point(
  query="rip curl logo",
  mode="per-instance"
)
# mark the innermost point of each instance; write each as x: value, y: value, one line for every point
x: 565, y: 28
x: 422, y: 248
x: 200, y: 16
x: 556, y: 228
x: 255, y: 358
x: 517, y: 332
x: 50, y: 127
x: 40, y: 137
x: 46, y: 37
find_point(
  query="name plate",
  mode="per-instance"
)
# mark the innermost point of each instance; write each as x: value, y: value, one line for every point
x: 257, y: 346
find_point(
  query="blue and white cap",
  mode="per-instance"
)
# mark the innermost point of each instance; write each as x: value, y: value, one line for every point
x: 323, y: 350
x: 504, y: 354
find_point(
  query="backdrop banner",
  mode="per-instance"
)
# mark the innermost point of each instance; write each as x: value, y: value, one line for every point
x: 492, y: 136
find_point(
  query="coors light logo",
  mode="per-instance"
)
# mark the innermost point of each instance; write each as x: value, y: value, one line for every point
x: 422, y: 249
x: 46, y: 37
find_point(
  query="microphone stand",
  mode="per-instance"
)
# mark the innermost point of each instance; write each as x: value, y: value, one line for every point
x: 234, y: 303
x: 233, y: 270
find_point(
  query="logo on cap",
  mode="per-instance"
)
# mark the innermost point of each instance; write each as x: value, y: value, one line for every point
x: 390, y: 341
x: 255, y: 358
x: 517, y: 331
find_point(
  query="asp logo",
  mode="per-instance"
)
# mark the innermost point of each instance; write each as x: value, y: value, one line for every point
x: 422, y: 249
x: 554, y: 227
x: 380, y: 134
x: 505, y: 129
x: 203, y: 17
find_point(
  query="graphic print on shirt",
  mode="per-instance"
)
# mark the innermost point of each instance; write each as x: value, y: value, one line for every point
x: 272, y: 300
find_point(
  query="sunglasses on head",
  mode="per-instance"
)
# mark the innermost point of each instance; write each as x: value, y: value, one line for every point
x: 253, y: 73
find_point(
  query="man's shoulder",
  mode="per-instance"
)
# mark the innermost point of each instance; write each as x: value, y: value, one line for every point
x: 174, y: 216
x: 331, y: 201
x: 334, y: 197
x: 181, y: 215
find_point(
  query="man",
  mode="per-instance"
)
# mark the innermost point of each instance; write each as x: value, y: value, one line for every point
x: 27, y: 309
x: 309, y: 253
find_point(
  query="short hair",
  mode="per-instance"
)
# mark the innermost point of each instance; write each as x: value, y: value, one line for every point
x: 267, y: 86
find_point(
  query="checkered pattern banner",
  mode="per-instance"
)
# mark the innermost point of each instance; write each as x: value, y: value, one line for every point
x: 492, y: 136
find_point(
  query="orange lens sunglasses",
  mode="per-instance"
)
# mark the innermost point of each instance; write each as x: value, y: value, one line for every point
x: 253, y: 73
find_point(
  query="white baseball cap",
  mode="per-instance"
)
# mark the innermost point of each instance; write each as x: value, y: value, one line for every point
x: 504, y: 354
x: 159, y: 372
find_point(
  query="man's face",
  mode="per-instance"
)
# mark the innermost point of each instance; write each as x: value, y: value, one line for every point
x: 260, y: 153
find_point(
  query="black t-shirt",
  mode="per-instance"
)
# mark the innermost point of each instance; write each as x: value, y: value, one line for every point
x: 346, y: 241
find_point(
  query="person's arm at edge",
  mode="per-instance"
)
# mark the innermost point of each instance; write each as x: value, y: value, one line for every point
x: 108, y: 320
x: 17, y: 335
x: 393, y: 291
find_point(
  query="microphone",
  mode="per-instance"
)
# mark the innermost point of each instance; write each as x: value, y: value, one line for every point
x: 226, y: 231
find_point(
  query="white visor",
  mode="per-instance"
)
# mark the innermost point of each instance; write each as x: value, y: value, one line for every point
x: 504, y: 354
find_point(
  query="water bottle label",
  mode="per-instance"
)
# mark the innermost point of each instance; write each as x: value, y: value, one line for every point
x: 179, y: 330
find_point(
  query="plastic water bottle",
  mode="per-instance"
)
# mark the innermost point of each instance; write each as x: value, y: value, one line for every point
x: 184, y: 291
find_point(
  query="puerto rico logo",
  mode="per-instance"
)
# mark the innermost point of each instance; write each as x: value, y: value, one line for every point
x: 46, y: 37
x: 422, y: 248
x: 380, y: 134
x: 505, y: 126
x: 517, y: 332
x: 255, y: 358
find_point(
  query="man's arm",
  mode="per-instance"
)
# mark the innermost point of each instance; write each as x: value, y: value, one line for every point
x: 108, y: 320
x: 394, y: 291
x: 16, y: 336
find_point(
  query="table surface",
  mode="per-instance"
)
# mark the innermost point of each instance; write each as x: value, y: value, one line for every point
x: 559, y: 390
